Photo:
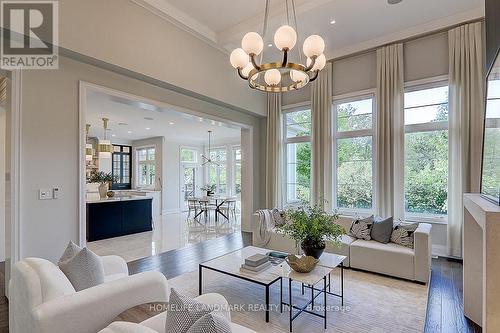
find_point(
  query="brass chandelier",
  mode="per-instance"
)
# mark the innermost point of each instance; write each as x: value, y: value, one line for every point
x: 283, y: 75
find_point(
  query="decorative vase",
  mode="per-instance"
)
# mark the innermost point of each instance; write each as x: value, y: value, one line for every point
x: 103, y: 190
x: 110, y: 194
x: 312, y: 249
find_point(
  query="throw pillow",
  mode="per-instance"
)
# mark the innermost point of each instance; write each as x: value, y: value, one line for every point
x: 211, y: 323
x: 71, y: 250
x: 361, y: 228
x: 403, y: 234
x: 183, y: 312
x: 126, y: 327
x: 84, y: 270
x: 382, y: 230
x: 278, y: 217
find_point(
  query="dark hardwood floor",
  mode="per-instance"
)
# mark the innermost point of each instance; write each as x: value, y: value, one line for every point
x: 444, y: 309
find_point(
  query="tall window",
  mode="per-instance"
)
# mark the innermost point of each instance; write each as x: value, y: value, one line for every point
x: 217, y: 172
x: 297, y: 138
x: 491, y: 162
x: 353, y: 131
x: 146, y: 167
x: 189, y: 155
x: 122, y: 167
x: 237, y: 170
x: 426, y: 150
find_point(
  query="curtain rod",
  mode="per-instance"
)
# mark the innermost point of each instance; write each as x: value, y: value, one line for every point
x: 406, y: 40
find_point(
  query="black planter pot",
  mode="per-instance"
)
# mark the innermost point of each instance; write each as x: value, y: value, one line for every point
x: 312, y: 249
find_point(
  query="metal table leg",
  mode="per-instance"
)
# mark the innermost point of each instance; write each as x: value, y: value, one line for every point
x: 324, y: 298
x: 290, y: 301
x: 267, y: 303
x: 281, y: 295
x: 200, y: 280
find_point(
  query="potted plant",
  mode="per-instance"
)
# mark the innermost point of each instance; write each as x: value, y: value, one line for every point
x: 210, y: 189
x: 311, y: 226
x: 104, y: 179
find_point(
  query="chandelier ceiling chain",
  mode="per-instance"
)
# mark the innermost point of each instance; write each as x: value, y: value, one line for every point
x: 284, y: 75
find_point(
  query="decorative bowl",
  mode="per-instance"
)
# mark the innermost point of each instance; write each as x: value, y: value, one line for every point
x: 302, y: 264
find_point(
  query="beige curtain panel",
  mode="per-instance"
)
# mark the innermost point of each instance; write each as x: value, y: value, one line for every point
x: 390, y: 129
x: 321, y: 163
x: 466, y: 120
x: 273, y: 150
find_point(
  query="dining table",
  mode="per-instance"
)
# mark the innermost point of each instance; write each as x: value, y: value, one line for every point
x: 218, y: 201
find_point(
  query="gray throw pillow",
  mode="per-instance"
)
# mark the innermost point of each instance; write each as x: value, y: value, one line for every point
x: 278, y: 216
x: 84, y: 270
x: 382, y: 230
x: 403, y: 234
x: 71, y: 250
x: 183, y: 312
x: 361, y: 228
x: 211, y: 323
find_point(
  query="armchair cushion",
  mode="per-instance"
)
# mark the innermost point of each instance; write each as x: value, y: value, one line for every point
x: 211, y: 323
x: 183, y: 312
x: 84, y: 270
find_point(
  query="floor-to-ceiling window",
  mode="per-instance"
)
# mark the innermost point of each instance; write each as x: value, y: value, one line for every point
x: 353, y: 153
x: 236, y: 171
x: 189, y: 173
x: 426, y: 150
x: 297, y: 151
x: 146, y: 167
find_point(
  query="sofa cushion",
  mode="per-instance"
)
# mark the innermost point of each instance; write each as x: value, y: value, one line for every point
x: 361, y: 228
x: 211, y: 323
x: 342, y: 249
x: 183, y: 312
x: 403, y: 234
x: 382, y: 229
x: 391, y: 259
x: 126, y: 327
x: 84, y: 270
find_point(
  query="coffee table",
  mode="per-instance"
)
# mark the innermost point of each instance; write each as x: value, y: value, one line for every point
x: 230, y: 263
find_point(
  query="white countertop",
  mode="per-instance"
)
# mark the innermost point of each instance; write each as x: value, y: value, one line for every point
x: 118, y: 198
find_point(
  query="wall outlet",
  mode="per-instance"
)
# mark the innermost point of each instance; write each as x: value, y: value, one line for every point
x: 44, y: 194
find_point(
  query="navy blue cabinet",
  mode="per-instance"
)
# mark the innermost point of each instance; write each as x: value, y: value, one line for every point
x: 106, y: 219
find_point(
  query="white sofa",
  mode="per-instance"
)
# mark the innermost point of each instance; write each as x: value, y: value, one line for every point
x: 389, y: 259
x: 42, y: 300
x: 156, y: 324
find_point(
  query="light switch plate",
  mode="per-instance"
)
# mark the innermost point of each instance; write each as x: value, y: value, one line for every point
x: 44, y: 194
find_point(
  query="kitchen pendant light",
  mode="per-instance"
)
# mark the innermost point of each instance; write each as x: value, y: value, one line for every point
x: 89, y: 154
x: 105, y: 146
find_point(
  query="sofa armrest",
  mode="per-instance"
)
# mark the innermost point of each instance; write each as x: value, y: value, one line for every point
x: 114, y: 265
x: 218, y: 302
x: 92, y: 309
x: 423, y: 252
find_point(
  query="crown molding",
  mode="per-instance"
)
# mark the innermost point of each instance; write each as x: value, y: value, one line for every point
x: 181, y: 20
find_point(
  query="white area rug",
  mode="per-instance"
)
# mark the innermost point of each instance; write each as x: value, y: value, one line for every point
x: 372, y: 303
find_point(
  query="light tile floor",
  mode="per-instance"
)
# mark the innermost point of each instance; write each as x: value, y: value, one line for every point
x: 172, y: 231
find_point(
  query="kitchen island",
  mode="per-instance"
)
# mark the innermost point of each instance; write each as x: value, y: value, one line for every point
x: 118, y: 216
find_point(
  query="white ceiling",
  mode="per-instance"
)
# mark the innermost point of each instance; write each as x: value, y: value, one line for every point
x: 126, y: 115
x: 360, y: 24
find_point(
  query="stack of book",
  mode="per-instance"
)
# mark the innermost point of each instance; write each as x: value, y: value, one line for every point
x: 256, y: 263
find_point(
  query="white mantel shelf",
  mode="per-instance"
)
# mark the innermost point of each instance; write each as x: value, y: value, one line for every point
x: 482, y: 262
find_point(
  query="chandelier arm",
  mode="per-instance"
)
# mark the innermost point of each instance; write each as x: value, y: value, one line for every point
x: 313, y: 61
x: 316, y: 72
x: 240, y: 73
x: 252, y: 59
x: 285, y: 57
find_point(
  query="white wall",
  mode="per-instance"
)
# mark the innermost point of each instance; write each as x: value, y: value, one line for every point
x: 172, y: 177
x: 50, y: 113
x: 127, y: 35
x: 3, y: 117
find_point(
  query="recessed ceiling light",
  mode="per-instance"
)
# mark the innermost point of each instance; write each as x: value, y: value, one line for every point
x: 129, y: 132
x: 170, y: 123
x: 270, y: 45
x: 148, y: 128
x: 200, y: 119
x: 333, y: 22
x: 113, y: 135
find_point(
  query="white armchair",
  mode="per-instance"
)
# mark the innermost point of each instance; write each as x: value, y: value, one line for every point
x: 42, y: 300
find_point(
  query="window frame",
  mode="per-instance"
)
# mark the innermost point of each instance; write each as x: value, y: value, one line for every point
x: 218, y: 169
x: 286, y: 141
x: 147, y: 162
x: 234, y: 148
x: 348, y: 98
x: 411, y: 86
